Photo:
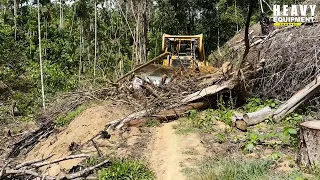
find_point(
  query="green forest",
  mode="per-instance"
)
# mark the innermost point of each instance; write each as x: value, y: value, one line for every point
x: 84, y: 43
x: 159, y: 89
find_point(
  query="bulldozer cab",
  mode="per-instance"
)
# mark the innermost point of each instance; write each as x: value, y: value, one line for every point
x: 185, y: 51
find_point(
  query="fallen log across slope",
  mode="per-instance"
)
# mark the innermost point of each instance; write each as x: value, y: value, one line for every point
x: 297, y: 99
x: 187, y: 101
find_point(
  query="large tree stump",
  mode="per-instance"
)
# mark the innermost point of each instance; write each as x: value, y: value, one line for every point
x: 309, y: 144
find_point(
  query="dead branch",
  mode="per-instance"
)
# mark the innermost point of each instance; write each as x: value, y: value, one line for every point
x: 97, y: 148
x: 26, y: 172
x: 84, y: 172
x: 37, y: 165
x: 28, y: 163
x: 4, y: 167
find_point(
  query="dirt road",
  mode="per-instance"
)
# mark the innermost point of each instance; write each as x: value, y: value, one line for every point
x: 171, y: 152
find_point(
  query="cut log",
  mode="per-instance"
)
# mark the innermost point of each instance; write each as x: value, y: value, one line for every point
x: 120, y: 122
x: 296, y: 100
x: 258, y: 116
x: 175, y: 113
x: 309, y: 144
x: 250, y: 119
x: 227, y: 85
x: 144, y: 65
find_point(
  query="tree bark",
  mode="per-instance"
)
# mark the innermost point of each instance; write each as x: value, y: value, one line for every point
x: 296, y: 100
x: 250, y: 119
x: 246, y: 35
x: 209, y: 91
x: 95, y: 42
x: 40, y: 57
x: 309, y: 144
x: 258, y: 116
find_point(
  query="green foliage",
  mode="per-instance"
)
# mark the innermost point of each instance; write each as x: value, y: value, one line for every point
x: 290, y: 136
x: 152, y: 123
x: 126, y: 169
x: 91, y: 161
x: 233, y: 169
x: 255, y: 104
x: 255, y: 138
x: 251, y: 141
x: 221, y: 137
x: 276, y: 156
x: 66, y: 119
x: 205, y: 121
x: 228, y: 168
x: 293, y: 119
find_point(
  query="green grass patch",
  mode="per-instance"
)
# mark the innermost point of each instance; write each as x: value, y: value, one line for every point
x: 126, y: 169
x: 152, y: 123
x: 237, y: 169
x: 66, y: 119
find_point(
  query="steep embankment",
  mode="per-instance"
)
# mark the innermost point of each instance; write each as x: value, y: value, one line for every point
x: 88, y: 124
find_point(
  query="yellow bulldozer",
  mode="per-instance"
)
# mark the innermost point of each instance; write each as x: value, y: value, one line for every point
x: 185, y: 52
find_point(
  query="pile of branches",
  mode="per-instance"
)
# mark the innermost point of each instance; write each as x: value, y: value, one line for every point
x: 160, y: 96
x: 60, y: 107
x: 30, y: 169
x: 291, y: 61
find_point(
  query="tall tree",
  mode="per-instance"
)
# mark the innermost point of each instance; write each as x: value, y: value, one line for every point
x: 40, y: 57
x: 15, y: 9
x: 95, y: 42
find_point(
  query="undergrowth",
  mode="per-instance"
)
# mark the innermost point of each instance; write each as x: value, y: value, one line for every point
x: 66, y: 119
x: 237, y: 169
x: 126, y: 169
x: 152, y: 123
x: 255, y: 104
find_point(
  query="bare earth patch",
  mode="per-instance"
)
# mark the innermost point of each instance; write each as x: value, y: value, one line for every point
x: 169, y: 153
x: 88, y: 124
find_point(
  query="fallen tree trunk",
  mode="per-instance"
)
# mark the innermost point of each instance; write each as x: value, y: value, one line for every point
x: 180, y: 111
x: 143, y: 65
x: 169, y: 114
x: 309, y: 144
x: 250, y: 119
x: 117, y: 124
x: 209, y: 91
x: 296, y: 100
x: 258, y: 116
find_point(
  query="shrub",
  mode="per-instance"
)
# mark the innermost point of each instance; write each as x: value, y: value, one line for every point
x: 126, y: 169
x: 65, y: 120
